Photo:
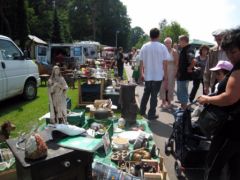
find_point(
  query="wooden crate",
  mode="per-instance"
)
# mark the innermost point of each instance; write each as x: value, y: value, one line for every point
x: 161, y: 173
x: 8, y: 174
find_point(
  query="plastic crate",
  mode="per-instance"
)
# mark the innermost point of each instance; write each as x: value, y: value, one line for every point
x: 106, y: 122
x: 69, y: 103
x: 73, y: 119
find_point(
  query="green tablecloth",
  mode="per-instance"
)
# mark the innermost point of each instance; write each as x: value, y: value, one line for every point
x: 106, y: 159
x: 100, y: 155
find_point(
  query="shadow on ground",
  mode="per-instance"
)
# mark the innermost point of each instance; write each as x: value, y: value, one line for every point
x: 160, y: 129
x: 13, y: 104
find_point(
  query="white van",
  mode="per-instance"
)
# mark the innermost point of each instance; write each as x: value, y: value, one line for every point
x: 17, y: 74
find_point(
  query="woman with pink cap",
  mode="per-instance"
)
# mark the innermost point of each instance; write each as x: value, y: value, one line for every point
x: 221, y: 70
x: 225, y: 146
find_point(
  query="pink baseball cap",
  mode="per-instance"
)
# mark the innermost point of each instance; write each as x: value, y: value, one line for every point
x: 222, y: 65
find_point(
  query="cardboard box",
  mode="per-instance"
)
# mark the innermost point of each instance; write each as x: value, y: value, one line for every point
x: 160, y: 174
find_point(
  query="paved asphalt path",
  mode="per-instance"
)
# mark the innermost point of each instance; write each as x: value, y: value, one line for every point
x: 162, y: 129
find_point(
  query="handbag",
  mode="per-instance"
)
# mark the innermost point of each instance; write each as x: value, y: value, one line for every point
x: 196, y: 74
x: 211, y: 119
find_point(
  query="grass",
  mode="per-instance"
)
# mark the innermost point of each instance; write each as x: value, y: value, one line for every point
x: 25, y: 114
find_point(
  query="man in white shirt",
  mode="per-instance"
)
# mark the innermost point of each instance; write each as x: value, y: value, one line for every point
x: 153, y: 66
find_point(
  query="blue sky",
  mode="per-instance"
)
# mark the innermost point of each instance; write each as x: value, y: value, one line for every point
x: 199, y: 17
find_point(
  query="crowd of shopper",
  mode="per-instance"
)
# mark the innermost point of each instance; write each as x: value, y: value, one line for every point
x: 217, y: 68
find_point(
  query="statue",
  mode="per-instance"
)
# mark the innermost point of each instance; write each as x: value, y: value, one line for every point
x: 57, y: 88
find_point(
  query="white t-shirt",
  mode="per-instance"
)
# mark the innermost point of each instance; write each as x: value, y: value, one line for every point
x: 153, y: 54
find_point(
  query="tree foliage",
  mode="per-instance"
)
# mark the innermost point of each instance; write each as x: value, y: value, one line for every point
x: 9, y: 18
x: 22, y: 24
x: 76, y: 20
x: 136, y: 34
x: 56, y: 32
x: 141, y: 41
x: 173, y: 30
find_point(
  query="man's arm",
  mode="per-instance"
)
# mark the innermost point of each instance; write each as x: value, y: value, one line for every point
x: 191, y: 60
x: 142, y: 70
x: 229, y: 97
x: 190, y: 67
x: 176, y: 60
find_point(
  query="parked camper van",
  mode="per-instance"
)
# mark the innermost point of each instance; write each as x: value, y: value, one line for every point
x: 70, y: 55
x: 91, y: 49
x: 18, y: 75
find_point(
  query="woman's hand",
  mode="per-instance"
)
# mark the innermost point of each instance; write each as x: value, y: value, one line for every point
x: 203, y: 99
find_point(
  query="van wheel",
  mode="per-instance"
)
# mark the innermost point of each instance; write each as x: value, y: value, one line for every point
x: 30, y: 90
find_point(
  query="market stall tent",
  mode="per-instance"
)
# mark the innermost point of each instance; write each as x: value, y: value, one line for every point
x: 196, y: 43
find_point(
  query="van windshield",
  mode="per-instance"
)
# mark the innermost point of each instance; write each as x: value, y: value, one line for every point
x: 9, y: 51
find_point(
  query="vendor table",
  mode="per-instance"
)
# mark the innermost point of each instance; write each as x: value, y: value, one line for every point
x: 107, y: 159
x: 44, y: 78
x: 61, y: 163
x: 103, y: 165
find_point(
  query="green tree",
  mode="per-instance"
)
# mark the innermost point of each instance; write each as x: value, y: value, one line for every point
x: 78, y: 19
x: 40, y: 18
x: 115, y: 19
x: 56, y: 32
x: 22, y: 24
x: 99, y: 20
x: 141, y: 41
x: 80, y: 24
x: 5, y: 27
x: 9, y: 18
x: 173, y: 30
x: 136, y: 34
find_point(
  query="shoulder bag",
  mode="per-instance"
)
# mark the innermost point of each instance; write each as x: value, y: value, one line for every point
x: 211, y: 119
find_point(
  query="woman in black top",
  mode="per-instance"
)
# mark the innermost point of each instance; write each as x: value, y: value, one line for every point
x: 225, y: 146
x: 120, y: 63
x: 200, y: 64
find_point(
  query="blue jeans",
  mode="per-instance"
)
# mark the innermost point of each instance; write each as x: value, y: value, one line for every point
x: 182, y: 91
x: 151, y: 88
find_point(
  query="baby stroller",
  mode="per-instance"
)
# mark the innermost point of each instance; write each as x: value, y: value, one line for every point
x: 186, y: 143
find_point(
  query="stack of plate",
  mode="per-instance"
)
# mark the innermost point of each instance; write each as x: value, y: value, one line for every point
x: 119, y: 143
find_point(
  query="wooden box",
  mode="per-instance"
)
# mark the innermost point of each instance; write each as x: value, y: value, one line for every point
x: 160, y: 174
x: 8, y: 174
